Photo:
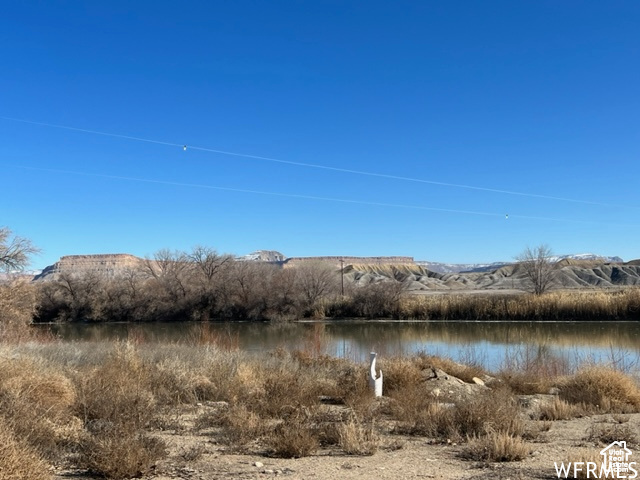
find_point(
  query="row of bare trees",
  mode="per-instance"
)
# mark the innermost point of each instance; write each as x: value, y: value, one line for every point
x: 196, y: 285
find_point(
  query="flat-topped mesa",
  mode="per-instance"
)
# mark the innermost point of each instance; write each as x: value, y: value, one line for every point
x: 108, y: 263
x: 339, y: 261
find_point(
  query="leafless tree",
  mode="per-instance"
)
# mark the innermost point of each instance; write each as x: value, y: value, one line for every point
x: 208, y: 262
x: 171, y: 270
x: 14, y: 251
x: 315, y: 281
x: 539, y: 267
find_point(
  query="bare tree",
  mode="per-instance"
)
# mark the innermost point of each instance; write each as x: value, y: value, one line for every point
x: 14, y: 251
x: 208, y: 262
x: 539, y: 267
x: 316, y: 280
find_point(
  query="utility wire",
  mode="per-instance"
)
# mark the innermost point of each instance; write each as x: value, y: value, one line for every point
x: 314, y: 197
x: 321, y: 167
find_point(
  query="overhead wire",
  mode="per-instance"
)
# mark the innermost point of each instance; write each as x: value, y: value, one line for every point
x: 312, y: 197
x: 320, y: 166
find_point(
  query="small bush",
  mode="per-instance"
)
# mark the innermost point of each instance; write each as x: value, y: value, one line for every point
x: 238, y: 425
x: 560, y: 410
x: 496, y: 447
x: 604, y: 389
x: 493, y: 411
x: 356, y: 438
x: 116, y: 454
x: 606, y: 433
x: 589, y: 466
x: 293, y: 438
x: 19, y: 461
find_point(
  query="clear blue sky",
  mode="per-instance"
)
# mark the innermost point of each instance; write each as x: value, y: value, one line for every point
x: 537, y: 98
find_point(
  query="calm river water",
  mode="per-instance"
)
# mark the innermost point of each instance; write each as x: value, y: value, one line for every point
x: 490, y: 344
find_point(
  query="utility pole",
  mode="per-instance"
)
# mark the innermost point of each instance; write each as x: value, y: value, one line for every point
x: 342, y: 274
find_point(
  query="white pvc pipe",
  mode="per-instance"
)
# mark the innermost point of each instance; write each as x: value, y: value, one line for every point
x: 375, y: 381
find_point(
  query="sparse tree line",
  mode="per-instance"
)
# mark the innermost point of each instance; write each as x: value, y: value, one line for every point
x: 202, y: 285
x: 196, y: 285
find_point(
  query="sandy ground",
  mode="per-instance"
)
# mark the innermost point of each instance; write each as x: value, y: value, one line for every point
x: 399, y: 457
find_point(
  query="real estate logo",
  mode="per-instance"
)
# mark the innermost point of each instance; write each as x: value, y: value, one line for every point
x: 615, y: 464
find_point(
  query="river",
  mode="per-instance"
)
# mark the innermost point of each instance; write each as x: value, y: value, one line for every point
x: 490, y: 344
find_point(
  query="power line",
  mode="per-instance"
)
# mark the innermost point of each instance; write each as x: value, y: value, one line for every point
x: 321, y: 167
x: 314, y: 197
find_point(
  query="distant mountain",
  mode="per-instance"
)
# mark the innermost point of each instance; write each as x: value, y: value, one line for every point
x: 263, y: 256
x: 439, y: 267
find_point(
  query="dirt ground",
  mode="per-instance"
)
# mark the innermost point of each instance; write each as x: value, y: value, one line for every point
x: 196, y: 455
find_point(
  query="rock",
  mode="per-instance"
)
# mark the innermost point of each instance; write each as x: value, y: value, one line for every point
x: 258, y: 464
x: 477, y: 381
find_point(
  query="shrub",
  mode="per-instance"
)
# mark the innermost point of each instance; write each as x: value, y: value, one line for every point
x: 496, y: 447
x: 239, y: 425
x: 606, y: 433
x: 37, y: 403
x: 293, y: 438
x: 494, y: 411
x: 560, y: 410
x: 120, y: 453
x: 604, y: 389
x: 117, y: 391
x: 19, y: 461
x: 356, y: 438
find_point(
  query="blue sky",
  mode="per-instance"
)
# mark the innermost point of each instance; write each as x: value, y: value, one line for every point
x: 402, y: 128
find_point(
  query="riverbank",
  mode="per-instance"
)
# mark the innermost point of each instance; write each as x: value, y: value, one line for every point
x: 206, y: 410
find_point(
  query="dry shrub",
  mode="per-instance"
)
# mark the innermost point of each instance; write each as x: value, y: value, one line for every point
x: 19, y: 461
x: 419, y: 414
x: 118, y: 391
x: 399, y: 374
x: 37, y: 402
x: 120, y: 453
x: 589, y: 464
x: 606, y: 433
x: 285, y: 391
x: 352, y: 388
x: 602, y: 388
x: 558, y: 409
x: 492, y: 411
x: 173, y: 383
x: 526, y: 383
x: 530, y: 370
x: 357, y: 438
x: 239, y: 425
x: 534, y: 430
x: 293, y: 438
x: 496, y: 447
x: 17, y: 306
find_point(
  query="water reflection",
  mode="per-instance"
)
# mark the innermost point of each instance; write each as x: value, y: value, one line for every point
x: 487, y: 343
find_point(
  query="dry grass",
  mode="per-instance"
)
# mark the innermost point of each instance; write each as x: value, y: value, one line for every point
x: 18, y: 460
x: 292, y: 438
x: 607, y: 433
x: 357, y: 438
x: 496, y: 447
x: 586, y: 465
x: 238, y: 425
x: 557, y: 305
x: 603, y: 389
x: 120, y: 453
x: 558, y: 409
x: 96, y: 405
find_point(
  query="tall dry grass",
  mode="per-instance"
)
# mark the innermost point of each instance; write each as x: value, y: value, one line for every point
x: 98, y: 405
x: 557, y: 305
x: 602, y: 389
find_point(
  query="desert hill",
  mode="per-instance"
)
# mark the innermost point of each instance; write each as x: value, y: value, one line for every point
x: 570, y: 272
